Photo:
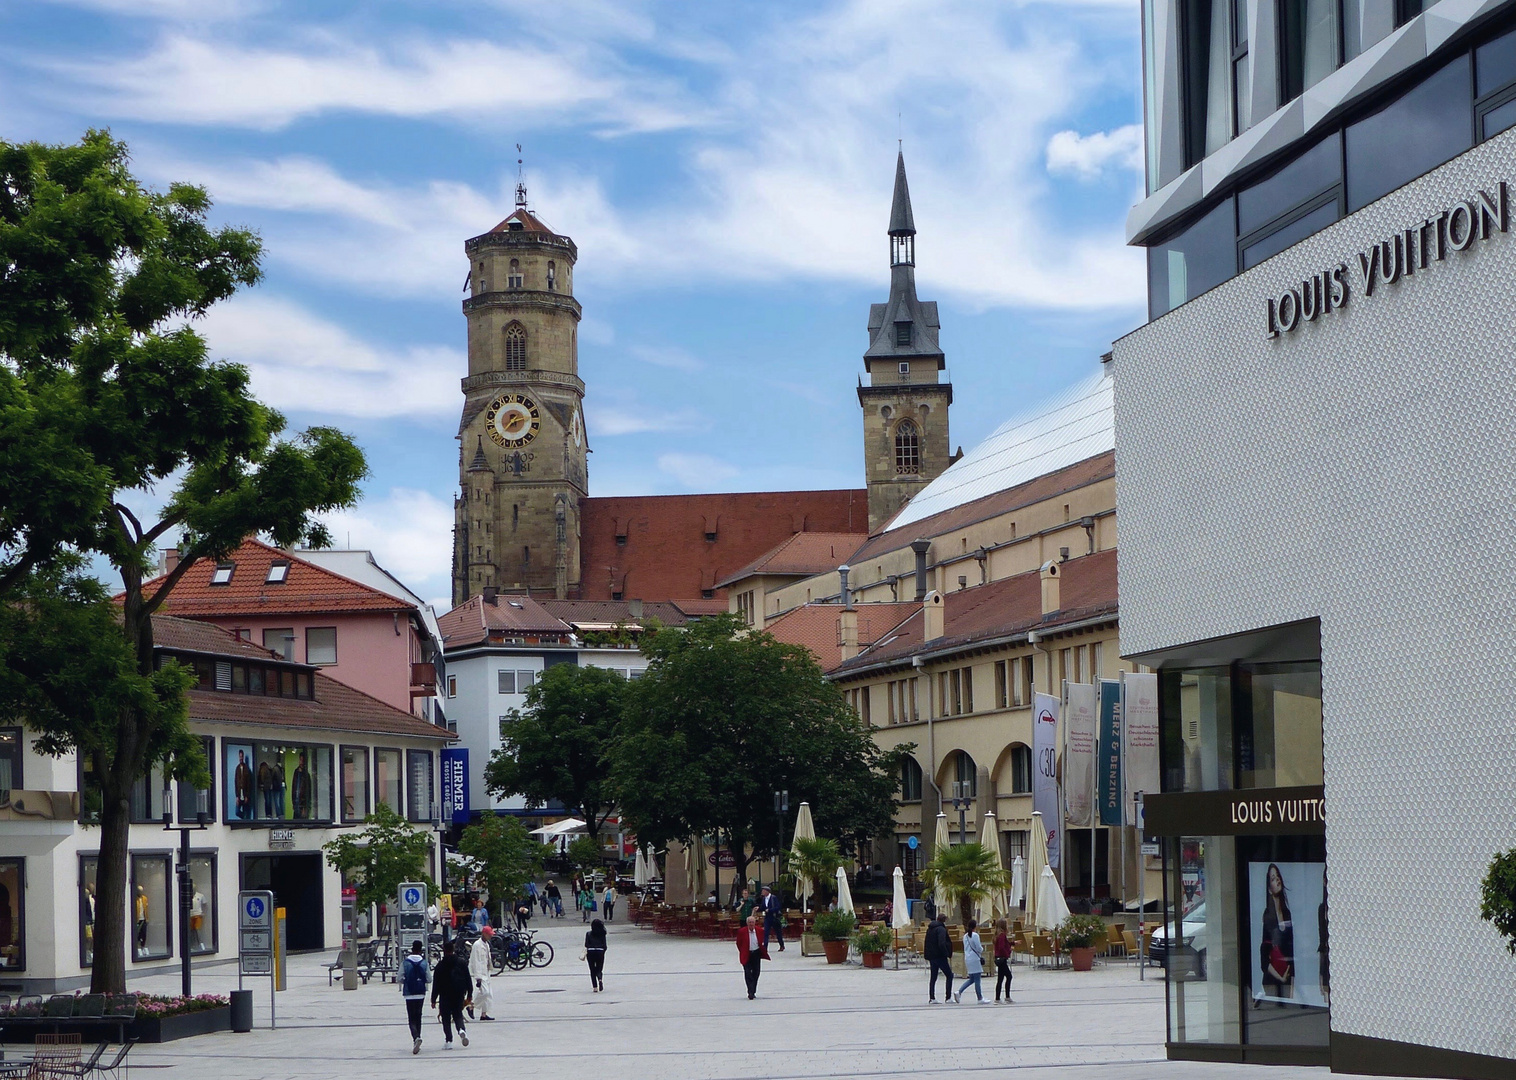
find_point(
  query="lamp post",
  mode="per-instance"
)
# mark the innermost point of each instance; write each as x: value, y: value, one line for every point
x: 186, y: 883
x: 961, y: 801
x: 437, y: 824
x: 781, y: 807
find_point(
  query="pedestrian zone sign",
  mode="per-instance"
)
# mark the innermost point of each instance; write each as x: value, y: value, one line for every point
x: 913, y: 843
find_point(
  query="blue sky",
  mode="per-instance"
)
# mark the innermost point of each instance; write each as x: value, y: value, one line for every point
x: 724, y: 169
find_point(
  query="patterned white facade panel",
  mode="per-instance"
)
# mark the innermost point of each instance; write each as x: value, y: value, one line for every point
x: 1359, y: 469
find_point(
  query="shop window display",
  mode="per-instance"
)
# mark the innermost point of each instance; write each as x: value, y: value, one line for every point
x: 387, y: 779
x: 421, y: 801
x: 151, y: 902
x: 202, y: 902
x: 354, y: 783
x: 88, y: 868
x: 279, y: 782
x: 195, y: 802
x: 12, y: 914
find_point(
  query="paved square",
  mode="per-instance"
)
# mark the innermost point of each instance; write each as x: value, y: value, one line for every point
x: 676, y: 1009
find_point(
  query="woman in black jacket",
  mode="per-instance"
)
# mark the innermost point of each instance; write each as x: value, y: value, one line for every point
x: 594, y: 954
x: 1276, y: 952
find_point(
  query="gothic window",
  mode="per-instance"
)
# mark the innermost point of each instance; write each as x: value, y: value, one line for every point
x: 552, y: 276
x: 907, y: 448
x: 514, y: 280
x: 515, y: 347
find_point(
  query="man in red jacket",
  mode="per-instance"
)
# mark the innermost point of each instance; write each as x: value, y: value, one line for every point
x: 752, y: 951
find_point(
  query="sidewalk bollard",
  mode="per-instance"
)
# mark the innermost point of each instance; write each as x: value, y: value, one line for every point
x: 349, y: 960
x: 242, y: 1010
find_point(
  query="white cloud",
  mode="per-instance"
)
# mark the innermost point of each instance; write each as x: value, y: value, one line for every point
x: 300, y: 362
x: 197, y: 11
x: 626, y: 415
x: 1087, y: 156
x: 410, y: 533
x: 667, y: 356
x: 696, y: 470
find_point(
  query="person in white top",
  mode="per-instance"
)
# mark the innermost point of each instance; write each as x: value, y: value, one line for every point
x: 973, y: 963
x: 479, y: 964
x: 609, y: 899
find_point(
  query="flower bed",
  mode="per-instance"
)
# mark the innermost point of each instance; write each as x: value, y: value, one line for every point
x: 161, y: 1006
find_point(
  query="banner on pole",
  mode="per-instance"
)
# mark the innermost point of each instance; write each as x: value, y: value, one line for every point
x: 1045, y: 769
x: 1108, y: 786
x: 455, y: 793
x: 1139, y: 709
x: 1079, y: 752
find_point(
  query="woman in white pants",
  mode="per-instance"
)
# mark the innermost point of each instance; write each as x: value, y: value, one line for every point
x: 479, y: 971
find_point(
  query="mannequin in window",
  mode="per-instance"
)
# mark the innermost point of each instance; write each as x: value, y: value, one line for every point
x: 302, y: 789
x: 278, y: 771
x: 197, y: 917
x: 242, y: 783
x: 141, y: 921
x: 266, y: 788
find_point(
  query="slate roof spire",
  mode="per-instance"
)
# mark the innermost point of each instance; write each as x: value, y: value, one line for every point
x: 902, y: 221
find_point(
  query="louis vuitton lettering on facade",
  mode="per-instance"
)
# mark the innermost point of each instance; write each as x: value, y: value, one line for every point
x: 1415, y: 249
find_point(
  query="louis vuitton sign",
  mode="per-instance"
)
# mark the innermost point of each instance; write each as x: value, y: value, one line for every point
x: 1416, y: 249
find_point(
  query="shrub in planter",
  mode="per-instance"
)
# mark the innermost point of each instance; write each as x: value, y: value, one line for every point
x: 1078, y: 934
x: 833, y: 928
x: 872, y: 944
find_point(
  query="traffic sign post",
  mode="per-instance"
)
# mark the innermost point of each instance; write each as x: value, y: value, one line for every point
x: 412, y: 906
x: 255, y: 940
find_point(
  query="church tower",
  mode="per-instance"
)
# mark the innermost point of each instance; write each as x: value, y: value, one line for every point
x: 522, y: 456
x: 905, y: 406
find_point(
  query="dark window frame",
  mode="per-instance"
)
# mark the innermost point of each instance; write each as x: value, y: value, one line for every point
x: 166, y: 856
x: 18, y: 768
x: 368, y: 785
x: 321, y: 663
x: 911, y: 779
x: 400, y: 797
x: 210, y: 897
x: 208, y: 747
x: 431, y: 758
x: 19, y: 861
x: 81, y: 887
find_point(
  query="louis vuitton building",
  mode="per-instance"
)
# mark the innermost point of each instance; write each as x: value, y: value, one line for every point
x: 1324, y: 397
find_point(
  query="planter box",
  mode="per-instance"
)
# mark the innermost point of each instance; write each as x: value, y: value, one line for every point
x: 810, y: 945
x: 873, y: 959
x: 153, y: 1029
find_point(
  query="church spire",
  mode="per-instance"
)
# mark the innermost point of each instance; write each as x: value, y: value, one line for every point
x: 902, y: 221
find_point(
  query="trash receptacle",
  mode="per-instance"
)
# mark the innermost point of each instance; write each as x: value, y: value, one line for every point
x: 242, y: 1010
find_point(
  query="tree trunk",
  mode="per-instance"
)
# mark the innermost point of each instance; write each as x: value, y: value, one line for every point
x: 965, y: 909
x: 111, y: 938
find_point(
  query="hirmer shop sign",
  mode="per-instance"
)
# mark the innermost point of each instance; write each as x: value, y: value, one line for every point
x: 1415, y: 249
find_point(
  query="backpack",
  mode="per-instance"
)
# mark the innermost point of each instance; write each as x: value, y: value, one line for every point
x: 413, y: 977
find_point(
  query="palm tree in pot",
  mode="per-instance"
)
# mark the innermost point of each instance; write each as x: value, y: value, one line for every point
x: 965, y: 874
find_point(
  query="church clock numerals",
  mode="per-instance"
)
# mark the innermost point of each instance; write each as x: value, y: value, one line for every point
x: 513, y: 420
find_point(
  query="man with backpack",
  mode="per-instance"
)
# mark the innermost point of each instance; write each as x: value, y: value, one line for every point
x: 414, y: 975
x: 452, y: 987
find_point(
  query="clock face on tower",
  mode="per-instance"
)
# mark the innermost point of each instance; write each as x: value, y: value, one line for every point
x: 513, y: 420
x: 576, y: 428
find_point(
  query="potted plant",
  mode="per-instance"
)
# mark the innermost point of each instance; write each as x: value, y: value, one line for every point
x: 833, y: 928
x: 873, y: 942
x: 1078, y: 934
x: 965, y: 874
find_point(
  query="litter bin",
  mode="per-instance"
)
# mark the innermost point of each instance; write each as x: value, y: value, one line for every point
x: 242, y: 1010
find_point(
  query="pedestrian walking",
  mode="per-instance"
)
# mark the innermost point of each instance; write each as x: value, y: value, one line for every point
x: 480, y: 964
x: 752, y: 950
x: 555, y: 898
x: 746, y: 905
x: 480, y: 917
x: 610, y: 901
x: 973, y: 963
x: 586, y: 904
x: 938, y: 952
x: 594, y: 955
x: 451, y: 987
x: 542, y: 901
x: 773, y: 917
x: 1002, y: 961
x: 414, y: 975
x: 523, y: 913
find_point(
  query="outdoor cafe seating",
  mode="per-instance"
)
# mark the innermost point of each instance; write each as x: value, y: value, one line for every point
x: 59, y: 1028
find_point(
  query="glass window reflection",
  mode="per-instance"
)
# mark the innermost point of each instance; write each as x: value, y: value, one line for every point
x: 1198, y: 259
x: 151, y: 902
x: 1424, y: 127
x: 1317, y: 170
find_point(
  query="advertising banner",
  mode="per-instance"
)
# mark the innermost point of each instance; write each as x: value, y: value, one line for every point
x: 1079, y: 752
x: 1288, y: 962
x: 1045, y: 770
x: 1139, y: 715
x: 455, y: 806
x: 1108, y: 789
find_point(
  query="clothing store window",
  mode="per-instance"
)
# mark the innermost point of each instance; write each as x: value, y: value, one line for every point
x: 10, y: 760
x: 12, y: 914
x: 419, y: 790
x: 150, y: 904
x: 196, y: 801
x: 147, y: 797
x: 387, y: 779
x: 203, y: 892
x: 88, y: 867
x: 278, y: 781
x: 354, y: 783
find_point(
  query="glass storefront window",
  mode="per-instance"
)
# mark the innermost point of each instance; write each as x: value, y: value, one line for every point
x: 1198, y: 942
x: 151, y: 902
x: 202, y: 902
x: 1198, y: 259
x: 10, y: 760
x: 1424, y: 127
x: 387, y: 779
x: 196, y: 801
x: 278, y: 781
x: 354, y: 783
x: 12, y: 914
x: 1196, y: 710
x: 147, y: 797
x: 1283, y: 916
x: 88, y: 867
x: 419, y: 803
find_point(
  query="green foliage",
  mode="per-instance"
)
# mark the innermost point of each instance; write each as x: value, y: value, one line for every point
x: 834, y: 925
x: 504, y: 853
x: 555, y: 748
x: 816, y: 859
x: 874, y: 938
x: 108, y: 397
x: 381, y: 856
x: 965, y: 874
x: 1080, y: 931
x: 721, y: 720
x: 584, y: 854
x: 620, y: 636
x: 1497, y: 897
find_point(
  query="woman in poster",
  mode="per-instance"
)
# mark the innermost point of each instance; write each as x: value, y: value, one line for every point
x: 1276, y: 953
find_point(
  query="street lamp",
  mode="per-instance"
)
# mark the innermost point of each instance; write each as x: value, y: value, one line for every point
x: 962, y: 798
x: 186, y: 884
x: 781, y: 807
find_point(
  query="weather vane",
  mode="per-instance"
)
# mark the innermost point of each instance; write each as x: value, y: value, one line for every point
x: 520, y: 179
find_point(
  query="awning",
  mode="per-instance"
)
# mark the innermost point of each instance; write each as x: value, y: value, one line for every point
x: 558, y: 828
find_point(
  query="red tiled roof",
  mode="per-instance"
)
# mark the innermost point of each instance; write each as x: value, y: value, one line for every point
x: 191, y: 635
x: 1009, y: 606
x: 530, y: 222
x: 815, y: 626
x: 665, y: 555
x: 611, y: 612
x: 803, y: 554
x: 694, y: 609
x: 306, y: 588
x: 471, y: 621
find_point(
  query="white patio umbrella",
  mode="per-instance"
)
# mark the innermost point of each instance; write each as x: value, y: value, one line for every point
x: 993, y: 906
x: 900, y: 907
x: 640, y: 876
x: 694, y: 868
x: 1051, y: 907
x: 1036, y: 861
x: 940, y: 843
x: 559, y: 828
x: 805, y: 829
x: 844, y: 894
x: 1018, y: 881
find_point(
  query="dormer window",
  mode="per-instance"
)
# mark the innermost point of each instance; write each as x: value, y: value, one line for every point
x: 222, y: 575
x: 278, y: 573
x: 902, y: 333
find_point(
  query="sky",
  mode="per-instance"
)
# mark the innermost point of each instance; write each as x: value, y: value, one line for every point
x: 725, y: 170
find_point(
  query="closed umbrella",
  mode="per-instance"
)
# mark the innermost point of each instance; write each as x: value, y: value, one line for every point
x: 939, y: 898
x: 640, y: 876
x: 844, y: 894
x: 1018, y: 881
x: 900, y: 907
x: 1034, y: 866
x: 1051, y: 908
x: 993, y: 906
x: 694, y: 867
x: 805, y: 829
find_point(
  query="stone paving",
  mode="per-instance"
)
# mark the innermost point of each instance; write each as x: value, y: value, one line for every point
x: 676, y: 1009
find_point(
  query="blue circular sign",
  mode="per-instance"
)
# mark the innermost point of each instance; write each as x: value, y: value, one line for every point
x: 413, y: 896
x: 913, y: 843
x: 254, y: 907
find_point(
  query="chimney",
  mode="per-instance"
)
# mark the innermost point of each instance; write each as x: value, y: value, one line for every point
x: 847, y: 632
x: 491, y: 596
x: 1051, y: 600
x: 931, y: 608
x: 634, y: 608
x: 847, y: 594
x: 921, y: 547
x: 168, y: 559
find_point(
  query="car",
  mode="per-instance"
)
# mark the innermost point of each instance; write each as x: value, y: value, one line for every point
x: 1191, y: 945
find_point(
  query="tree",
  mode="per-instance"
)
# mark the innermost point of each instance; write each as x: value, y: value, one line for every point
x: 1497, y: 897
x: 555, y: 748
x: 966, y: 875
x: 505, y: 854
x: 387, y: 852
x: 108, y: 397
x: 584, y: 854
x: 722, y: 719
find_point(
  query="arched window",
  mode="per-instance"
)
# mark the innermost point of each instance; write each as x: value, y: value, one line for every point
x: 552, y: 276
x: 907, y: 448
x: 965, y: 776
x: 910, y: 780
x: 515, y: 347
x: 514, y: 281
x: 1021, y: 770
